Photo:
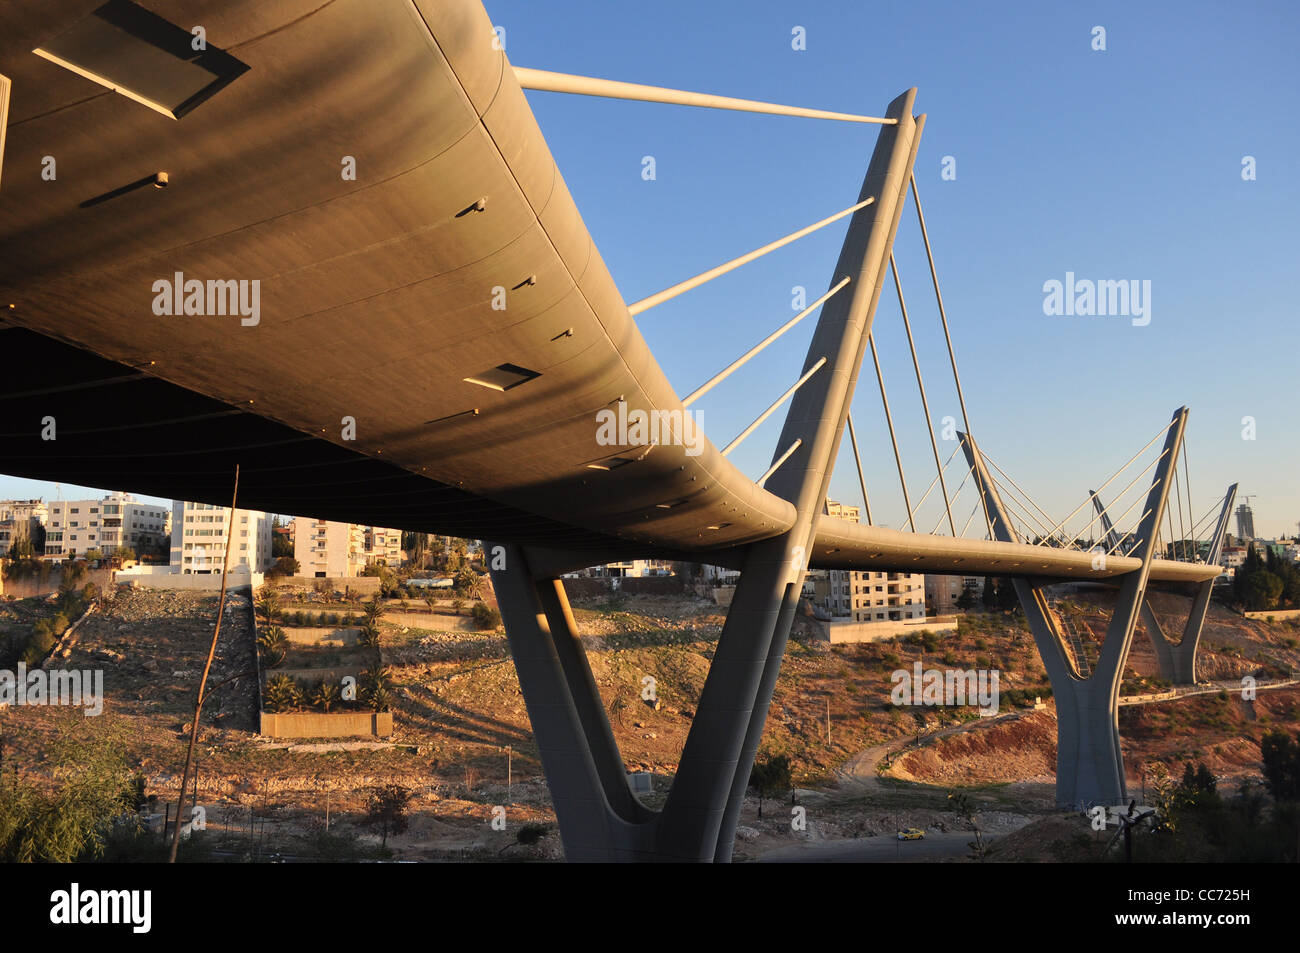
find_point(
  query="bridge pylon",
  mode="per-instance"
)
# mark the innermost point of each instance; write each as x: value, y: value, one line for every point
x: 599, y: 818
x: 1178, y: 660
x: 1089, y: 760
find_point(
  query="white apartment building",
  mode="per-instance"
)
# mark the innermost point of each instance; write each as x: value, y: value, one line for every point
x: 1233, y: 557
x: 872, y: 596
x: 199, y: 538
x: 24, y: 510
x: 384, y: 546
x: 326, y: 548
x: 74, y: 527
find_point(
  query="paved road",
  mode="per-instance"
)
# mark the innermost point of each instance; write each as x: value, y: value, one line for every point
x: 859, y: 773
x: 878, y: 850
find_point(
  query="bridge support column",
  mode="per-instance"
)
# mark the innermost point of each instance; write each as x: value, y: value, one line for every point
x: 1178, y: 661
x: 599, y: 818
x: 1089, y: 760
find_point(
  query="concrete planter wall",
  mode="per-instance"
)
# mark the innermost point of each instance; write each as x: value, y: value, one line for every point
x: 1277, y: 614
x: 315, y: 724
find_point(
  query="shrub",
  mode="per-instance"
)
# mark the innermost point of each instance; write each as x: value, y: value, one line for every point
x: 39, y: 644
x: 325, y: 695
x: 375, y: 682
x: 273, y: 645
x: 281, y: 694
x: 484, y: 616
x: 531, y: 833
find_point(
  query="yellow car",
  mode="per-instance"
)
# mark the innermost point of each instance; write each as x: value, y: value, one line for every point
x: 911, y: 833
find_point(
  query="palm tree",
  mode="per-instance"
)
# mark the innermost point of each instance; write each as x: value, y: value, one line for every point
x: 268, y: 604
x: 376, y: 681
x: 274, y: 645
x: 282, y: 694
x: 369, y: 635
x: 373, y: 610
x: 325, y: 694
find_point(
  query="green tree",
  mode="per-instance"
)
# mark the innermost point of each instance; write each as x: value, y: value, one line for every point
x: 484, y: 616
x: 268, y: 603
x: 387, y: 810
x: 770, y: 778
x: 280, y: 542
x: 368, y: 635
x: 284, y: 566
x: 325, y: 695
x: 274, y: 645
x: 71, y: 818
x: 375, y: 684
x: 967, y: 598
x: 1263, y: 589
x: 1007, y: 598
x: 990, y: 597
x: 1281, y: 756
x: 282, y: 694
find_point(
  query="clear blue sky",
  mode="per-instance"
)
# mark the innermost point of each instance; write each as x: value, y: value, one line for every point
x: 1117, y: 164
x: 1122, y: 164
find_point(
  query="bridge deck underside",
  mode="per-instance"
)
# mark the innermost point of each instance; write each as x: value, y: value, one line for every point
x: 377, y: 301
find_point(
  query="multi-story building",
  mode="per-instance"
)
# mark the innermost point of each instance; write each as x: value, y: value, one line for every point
x: 326, y: 548
x: 637, y: 567
x: 872, y: 596
x: 22, y: 520
x: 1234, y: 557
x: 844, y: 511
x: 1245, y: 522
x: 76, y: 527
x: 876, y: 596
x: 942, y: 592
x: 383, y: 546
x: 199, y: 538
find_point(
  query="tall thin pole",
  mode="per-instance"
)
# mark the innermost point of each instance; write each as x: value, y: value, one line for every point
x: 212, y: 651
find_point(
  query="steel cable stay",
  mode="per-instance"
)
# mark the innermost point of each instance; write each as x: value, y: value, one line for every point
x: 1113, y: 476
x: 969, y: 470
x: 1119, y: 496
x: 1043, y: 532
x: 1018, y: 487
